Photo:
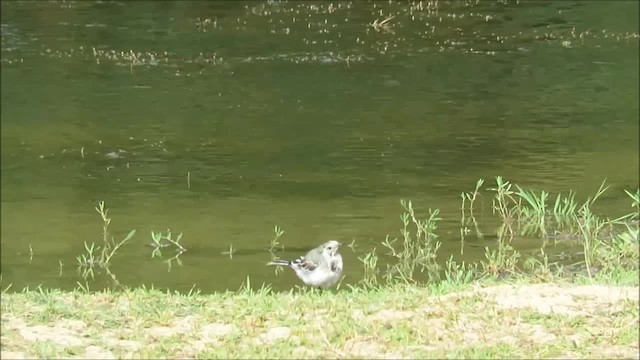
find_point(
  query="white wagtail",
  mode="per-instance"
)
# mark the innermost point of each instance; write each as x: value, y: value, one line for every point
x: 320, y: 267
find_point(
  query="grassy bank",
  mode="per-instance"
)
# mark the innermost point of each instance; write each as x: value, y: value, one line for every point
x: 409, y: 306
x: 516, y: 319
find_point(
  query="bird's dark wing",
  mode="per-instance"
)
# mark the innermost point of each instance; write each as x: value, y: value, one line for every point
x: 305, y: 263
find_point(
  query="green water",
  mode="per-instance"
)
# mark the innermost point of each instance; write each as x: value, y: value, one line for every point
x: 301, y: 115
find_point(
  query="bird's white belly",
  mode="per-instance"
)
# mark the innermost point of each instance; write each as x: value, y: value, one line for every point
x: 322, y: 280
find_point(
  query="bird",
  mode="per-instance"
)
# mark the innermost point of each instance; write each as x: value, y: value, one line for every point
x: 321, y: 267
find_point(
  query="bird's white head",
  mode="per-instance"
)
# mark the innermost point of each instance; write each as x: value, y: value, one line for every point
x: 331, y: 247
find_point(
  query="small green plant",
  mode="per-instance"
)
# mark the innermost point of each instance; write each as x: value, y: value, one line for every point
x: 100, y: 255
x: 458, y: 274
x: 110, y: 247
x: 352, y: 245
x: 565, y: 206
x: 532, y: 214
x: 464, y: 222
x: 160, y: 241
x: 623, y: 249
x: 636, y: 202
x: 500, y: 261
x: 229, y: 252
x: 275, y: 242
x: 633, y: 217
x: 370, y: 263
x: 540, y: 269
x: 471, y: 197
x: 87, y: 261
x: 590, y: 227
x: 501, y: 204
x: 525, y: 212
x: 416, y: 252
x: 83, y: 287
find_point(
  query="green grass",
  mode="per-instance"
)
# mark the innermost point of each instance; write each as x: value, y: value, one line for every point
x: 512, y: 320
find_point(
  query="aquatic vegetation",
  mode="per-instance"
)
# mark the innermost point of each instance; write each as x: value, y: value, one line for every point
x: 100, y: 255
x: 160, y: 241
x: 275, y: 243
x: 418, y: 249
x: 414, y: 253
x: 608, y: 245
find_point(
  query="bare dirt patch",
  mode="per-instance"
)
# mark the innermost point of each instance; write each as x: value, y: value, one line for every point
x: 56, y: 334
x: 365, y: 348
x: 569, y: 300
x: 504, y: 315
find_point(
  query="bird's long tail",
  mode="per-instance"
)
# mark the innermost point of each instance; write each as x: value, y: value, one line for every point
x: 279, y: 262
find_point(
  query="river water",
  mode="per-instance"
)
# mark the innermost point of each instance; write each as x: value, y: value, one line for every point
x: 221, y: 120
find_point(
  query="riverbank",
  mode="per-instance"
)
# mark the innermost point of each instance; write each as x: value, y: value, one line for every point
x: 505, y: 306
x: 484, y: 319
